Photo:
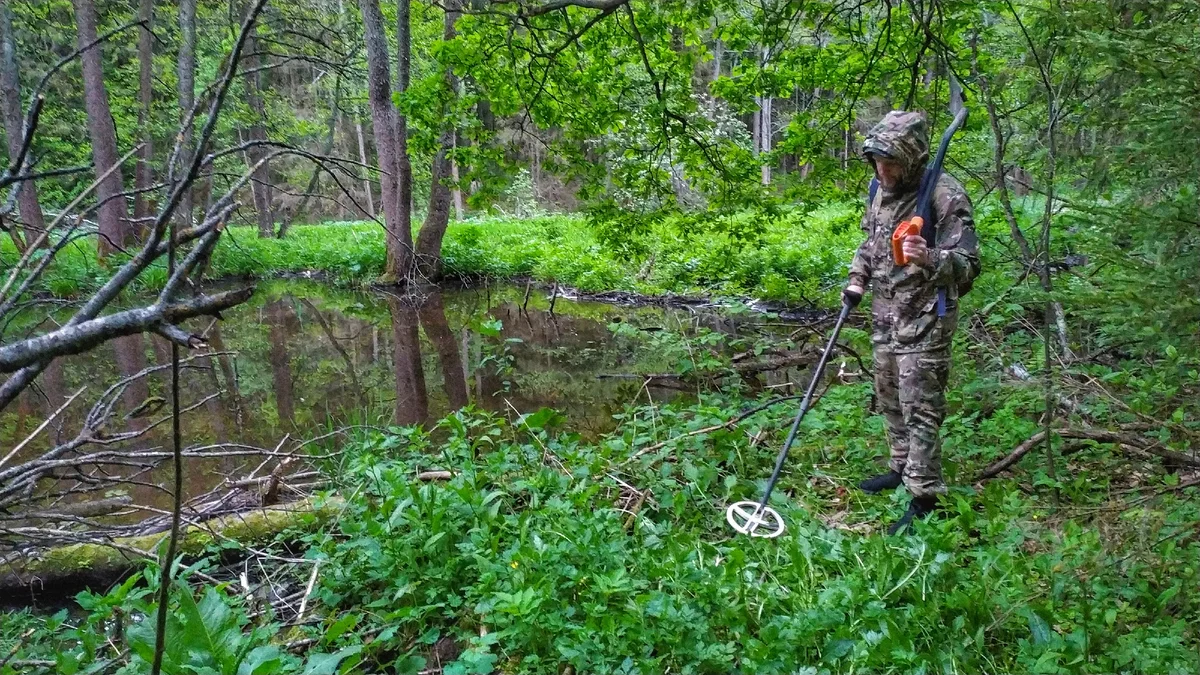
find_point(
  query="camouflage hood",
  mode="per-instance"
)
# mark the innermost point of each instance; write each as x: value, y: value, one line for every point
x: 903, y: 137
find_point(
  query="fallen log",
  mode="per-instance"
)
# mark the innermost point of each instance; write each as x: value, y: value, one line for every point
x: 67, y: 569
x: 1125, y: 441
x: 745, y: 368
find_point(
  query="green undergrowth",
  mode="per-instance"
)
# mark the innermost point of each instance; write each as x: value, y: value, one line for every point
x: 796, y: 255
x: 613, y: 556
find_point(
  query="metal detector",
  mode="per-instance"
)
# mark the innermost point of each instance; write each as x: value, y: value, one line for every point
x: 748, y: 516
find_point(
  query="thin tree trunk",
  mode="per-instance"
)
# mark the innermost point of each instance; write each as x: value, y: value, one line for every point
x: 112, y: 216
x: 404, y: 177
x: 362, y: 157
x: 999, y: 177
x: 142, y: 207
x: 765, y: 137
x: 186, y: 73
x: 456, y: 191
x: 756, y: 126
x: 314, y: 181
x: 383, y: 121
x: 260, y: 183
x: 437, y: 218
x: 718, y: 53
x: 14, y: 129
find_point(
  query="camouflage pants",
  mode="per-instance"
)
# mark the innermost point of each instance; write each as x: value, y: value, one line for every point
x: 911, y: 393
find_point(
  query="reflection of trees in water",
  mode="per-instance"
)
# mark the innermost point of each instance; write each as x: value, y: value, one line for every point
x: 437, y: 329
x: 336, y: 343
x: 131, y: 360
x: 427, y: 313
x: 412, y: 404
x: 282, y: 324
x: 233, y: 392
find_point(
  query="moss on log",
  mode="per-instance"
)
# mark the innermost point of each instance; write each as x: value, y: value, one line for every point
x: 74, y: 567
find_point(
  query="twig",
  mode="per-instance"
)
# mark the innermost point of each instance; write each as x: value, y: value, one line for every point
x: 312, y: 579
x: 43, y: 425
x: 724, y: 425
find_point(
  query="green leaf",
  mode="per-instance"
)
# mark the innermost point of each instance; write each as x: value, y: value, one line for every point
x: 1038, y: 627
x: 264, y: 660
x: 341, y: 627
x: 320, y: 663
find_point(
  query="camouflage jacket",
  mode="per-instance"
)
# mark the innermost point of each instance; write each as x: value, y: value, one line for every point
x: 904, y: 312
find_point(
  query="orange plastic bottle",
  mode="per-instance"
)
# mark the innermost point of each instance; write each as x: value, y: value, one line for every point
x: 903, y: 230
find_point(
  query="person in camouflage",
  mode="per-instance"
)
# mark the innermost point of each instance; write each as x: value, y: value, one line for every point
x: 911, y: 330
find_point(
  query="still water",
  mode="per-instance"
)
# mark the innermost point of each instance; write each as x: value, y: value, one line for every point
x: 303, y: 358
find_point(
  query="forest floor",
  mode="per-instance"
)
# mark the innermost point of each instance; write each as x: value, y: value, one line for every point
x: 543, y: 552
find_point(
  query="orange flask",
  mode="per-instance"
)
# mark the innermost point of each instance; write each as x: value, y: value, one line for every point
x: 903, y: 230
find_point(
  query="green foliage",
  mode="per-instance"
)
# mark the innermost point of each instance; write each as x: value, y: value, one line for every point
x: 530, y: 556
x: 212, y: 635
x: 797, y: 255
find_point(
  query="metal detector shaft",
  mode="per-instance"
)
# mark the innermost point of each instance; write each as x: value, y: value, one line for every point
x: 804, y: 404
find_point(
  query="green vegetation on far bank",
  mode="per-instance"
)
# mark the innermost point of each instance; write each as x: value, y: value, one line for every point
x: 795, y: 255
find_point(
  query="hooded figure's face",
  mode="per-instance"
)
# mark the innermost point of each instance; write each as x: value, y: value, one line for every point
x: 902, y: 139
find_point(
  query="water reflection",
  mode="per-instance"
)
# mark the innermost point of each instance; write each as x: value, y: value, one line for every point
x: 301, y: 358
x: 412, y: 404
x: 446, y: 344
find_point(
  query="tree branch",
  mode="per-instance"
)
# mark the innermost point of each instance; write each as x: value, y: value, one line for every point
x: 77, y: 338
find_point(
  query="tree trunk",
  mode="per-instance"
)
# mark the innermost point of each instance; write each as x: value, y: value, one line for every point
x: 69, y: 569
x: 765, y: 138
x: 718, y: 52
x: 186, y: 72
x: 437, y: 218
x: 999, y: 177
x: 383, y: 121
x: 404, y: 180
x: 456, y: 192
x: 112, y: 216
x: 260, y: 182
x: 14, y: 130
x: 314, y: 182
x: 362, y: 157
x: 143, y: 209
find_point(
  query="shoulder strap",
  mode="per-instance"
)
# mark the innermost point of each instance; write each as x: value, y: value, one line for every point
x: 925, y: 204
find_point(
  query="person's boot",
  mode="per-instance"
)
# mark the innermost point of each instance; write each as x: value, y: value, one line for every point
x: 919, y: 507
x: 886, y: 481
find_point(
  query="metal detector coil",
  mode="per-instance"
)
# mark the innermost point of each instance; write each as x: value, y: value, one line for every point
x: 748, y: 517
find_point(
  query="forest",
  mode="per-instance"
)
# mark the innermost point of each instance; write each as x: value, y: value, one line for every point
x: 448, y: 336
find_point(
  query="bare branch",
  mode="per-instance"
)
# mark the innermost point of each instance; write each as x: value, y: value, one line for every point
x: 80, y: 337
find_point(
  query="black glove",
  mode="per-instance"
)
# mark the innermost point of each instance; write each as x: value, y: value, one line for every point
x: 850, y: 297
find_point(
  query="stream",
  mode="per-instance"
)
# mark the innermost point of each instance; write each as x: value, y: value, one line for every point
x: 303, y: 358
